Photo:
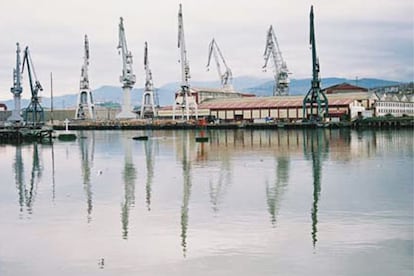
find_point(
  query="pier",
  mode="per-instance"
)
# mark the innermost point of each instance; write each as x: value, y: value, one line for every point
x: 25, y: 134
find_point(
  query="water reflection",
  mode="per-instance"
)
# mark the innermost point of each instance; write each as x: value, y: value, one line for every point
x: 87, y: 148
x: 186, y: 166
x: 274, y: 193
x: 129, y: 176
x: 27, y: 194
x: 315, y: 147
x: 149, y: 162
x: 218, y: 189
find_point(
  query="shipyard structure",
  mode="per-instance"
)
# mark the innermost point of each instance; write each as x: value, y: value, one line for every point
x: 341, y: 102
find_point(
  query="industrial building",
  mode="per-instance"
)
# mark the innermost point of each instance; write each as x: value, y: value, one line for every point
x: 397, y: 105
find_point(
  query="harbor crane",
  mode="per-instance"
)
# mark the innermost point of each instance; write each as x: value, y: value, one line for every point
x: 147, y: 102
x: 85, y: 107
x: 226, y: 78
x: 127, y: 78
x: 281, y: 72
x: 17, y: 89
x: 315, y: 99
x: 184, y: 99
x: 34, y: 114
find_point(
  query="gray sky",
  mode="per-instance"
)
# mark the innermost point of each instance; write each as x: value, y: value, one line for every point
x: 370, y: 38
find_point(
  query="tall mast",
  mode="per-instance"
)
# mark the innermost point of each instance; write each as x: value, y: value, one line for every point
x: 147, y: 102
x: 127, y: 78
x: 183, y: 98
x: 226, y: 78
x: 281, y: 73
x: 315, y: 98
x: 16, y: 89
x: 85, y: 99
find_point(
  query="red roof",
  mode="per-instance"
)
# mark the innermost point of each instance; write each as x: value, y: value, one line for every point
x: 344, y: 88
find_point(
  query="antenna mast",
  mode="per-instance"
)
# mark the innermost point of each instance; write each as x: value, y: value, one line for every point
x: 85, y: 99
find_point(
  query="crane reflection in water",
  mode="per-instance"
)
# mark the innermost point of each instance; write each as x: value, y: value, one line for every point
x: 149, y: 162
x: 129, y: 176
x: 187, y: 183
x: 27, y: 194
x: 87, y: 148
x: 315, y: 147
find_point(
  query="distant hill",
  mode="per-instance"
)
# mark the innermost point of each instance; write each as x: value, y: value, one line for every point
x: 165, y: 93
x: 302, y: 86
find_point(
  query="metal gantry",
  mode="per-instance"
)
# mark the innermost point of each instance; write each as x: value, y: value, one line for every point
x: 127, y: 78
x: 281, y: 72
x: 148, y: 102
x: 315, y: 99
x: 34, y: 113
x: 17, y: 89
x: 226, y: 78
x: 184, y: 99
x: 85, y: 108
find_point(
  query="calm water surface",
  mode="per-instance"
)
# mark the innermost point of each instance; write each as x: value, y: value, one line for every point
x: 314, y: 202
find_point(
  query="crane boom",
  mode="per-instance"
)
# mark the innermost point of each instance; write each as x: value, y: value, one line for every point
x: 85, y: 99
x: 184, y: 99
x: 226, y: 78
x: 128, y: 77
x: 315, y: 98
x: 185, y: 67
x: 17, y: 88
x: 34, y: 112
x: 147, y: 102
x: 281, y: 72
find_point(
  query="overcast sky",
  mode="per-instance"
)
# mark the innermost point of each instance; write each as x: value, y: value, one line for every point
x: 369, y: 38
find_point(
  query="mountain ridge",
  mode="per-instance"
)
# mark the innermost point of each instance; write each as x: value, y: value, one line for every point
x: 165, y: 93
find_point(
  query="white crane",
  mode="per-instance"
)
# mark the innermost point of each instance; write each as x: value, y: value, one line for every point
x: 147, y: 102
x: 281, y: 72
x: 226, y: 78
x: 17, y: 89
x: 127, y: 78
x: 85, y: 99
x: 183, y: 98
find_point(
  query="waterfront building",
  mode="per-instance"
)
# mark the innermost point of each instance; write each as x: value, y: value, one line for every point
x: 397, y: 105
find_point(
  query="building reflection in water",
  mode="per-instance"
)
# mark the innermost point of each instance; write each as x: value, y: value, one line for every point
x: 27, y: 194
x: 186, y: 165
x: 274, y: 193
x: 316, y: 147
x: 149, y: 162
x: 129, y: 176
x: 87, y: 148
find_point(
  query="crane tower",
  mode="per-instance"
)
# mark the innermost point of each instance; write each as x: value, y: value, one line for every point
x: 85, y: 108
x: 16, y: 89
x: 147, y: 102
x: 281, y: 71
x: 226, y: 78
x: 34, y: 114
x: 127, y: 78
x: 184, y: 99
x: 315, y: 99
